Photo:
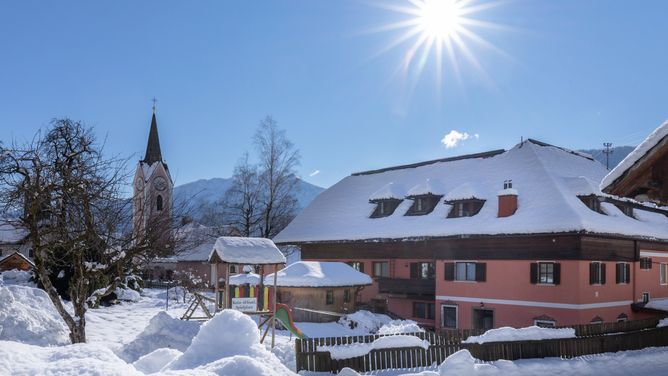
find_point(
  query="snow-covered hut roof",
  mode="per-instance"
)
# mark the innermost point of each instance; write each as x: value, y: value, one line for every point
x: 549, y: 180
x: 318, y: 274
x: 636, y: 156
x: 241, y: 250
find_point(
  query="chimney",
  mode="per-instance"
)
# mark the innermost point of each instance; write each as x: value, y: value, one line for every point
x: 507, y: 200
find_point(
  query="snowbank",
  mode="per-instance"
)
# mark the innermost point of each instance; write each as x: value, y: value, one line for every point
x: 163, y: 331
x: 662, y: 323
x: 127, y: 294
x: 647, y: 362
x: 229, y: 344
x: 79, y: 359
x: 153, y: 362
x: 522, y: 334
x: 360, y: 349
x: 28, y: 316
x: 659, y: 304
x: 400, y: 327
x: 365, y: 320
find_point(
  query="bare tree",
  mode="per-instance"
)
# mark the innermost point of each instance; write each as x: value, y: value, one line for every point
x: 278, y: 159
x: 72, y: 204
x: 242, y: 200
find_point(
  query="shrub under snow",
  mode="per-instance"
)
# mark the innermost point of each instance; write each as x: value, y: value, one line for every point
x: 400, y: 327
x: 163, y: 331
x: 27, y: 315
x: 229, y: 344
x: 365, y: 320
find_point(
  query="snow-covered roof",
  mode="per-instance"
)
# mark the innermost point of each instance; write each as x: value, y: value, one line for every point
x: 10, y: 234
x: 389, y: 191
x: 19, y: 254
x: 548, y: 179
x: 318, y: 274
x: 462, y: 192
x: 636, y: 155
x: 426, y: 187
x: 240, y: 250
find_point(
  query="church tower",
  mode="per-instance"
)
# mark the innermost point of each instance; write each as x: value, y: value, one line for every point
x: 152, y: 199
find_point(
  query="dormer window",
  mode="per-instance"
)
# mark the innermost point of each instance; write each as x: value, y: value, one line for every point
x: 384, y: 207
x: 423, y: 204
x: 626, y: 209
x: 592, y: 202
x: 465, y: 208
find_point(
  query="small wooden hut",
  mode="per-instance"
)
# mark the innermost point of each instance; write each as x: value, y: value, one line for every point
x: 15, y: 260
x: 319, y: 291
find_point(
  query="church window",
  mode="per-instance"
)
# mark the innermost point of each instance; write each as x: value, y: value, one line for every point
x: 158, y: 203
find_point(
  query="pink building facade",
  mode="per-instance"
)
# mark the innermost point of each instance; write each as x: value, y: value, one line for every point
x: 505, y: 238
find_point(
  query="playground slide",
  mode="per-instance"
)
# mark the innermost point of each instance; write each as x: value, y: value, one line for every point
x: 284, y: 315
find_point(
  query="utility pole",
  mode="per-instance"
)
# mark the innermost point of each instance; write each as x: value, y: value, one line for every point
x: 607, y: 153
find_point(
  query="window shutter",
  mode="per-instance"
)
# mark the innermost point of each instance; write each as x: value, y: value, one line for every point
x: 415, y: 273
x: 480, y: 271
x: 557, y: 273
x: 449, y: 271
x: 592, y: 273
x: 361, y: 264
x: 533, y: 274
x: 618, y: 273
x: 649, y: 263
x: 628, y: 273
x: 602, y: 273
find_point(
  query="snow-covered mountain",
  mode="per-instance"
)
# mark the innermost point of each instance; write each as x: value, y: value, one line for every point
x: 209, y: 191
x: 618, y: 153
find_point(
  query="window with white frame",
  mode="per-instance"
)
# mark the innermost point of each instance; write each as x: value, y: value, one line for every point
x: 662, y: 274
x: 623, y: 272
x: 465, y: 271
x: 381, y: 269
x: 546, y: 272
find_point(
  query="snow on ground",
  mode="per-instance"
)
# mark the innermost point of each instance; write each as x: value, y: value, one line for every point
x: 156, y: 360
x: 359, y: 349
x: 229, y: 344
x: 507, y: 333
x: 28, y: 316
x: 646, y: 362
x: 80, y: 359
x: 16, y: 277
x: 163, y: 331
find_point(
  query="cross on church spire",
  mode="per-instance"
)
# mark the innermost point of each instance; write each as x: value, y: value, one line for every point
x: 154, y: 102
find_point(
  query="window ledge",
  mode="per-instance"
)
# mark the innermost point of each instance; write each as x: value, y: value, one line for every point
x: 546, y: 284
x: 464, y: 281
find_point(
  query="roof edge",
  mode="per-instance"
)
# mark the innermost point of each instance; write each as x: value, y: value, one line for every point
x: 486, y: 154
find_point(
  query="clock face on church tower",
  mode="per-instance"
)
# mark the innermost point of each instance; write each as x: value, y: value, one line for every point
x: 160, y: 183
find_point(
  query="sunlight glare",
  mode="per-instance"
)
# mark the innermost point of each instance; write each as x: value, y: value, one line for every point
x: 440, y: 18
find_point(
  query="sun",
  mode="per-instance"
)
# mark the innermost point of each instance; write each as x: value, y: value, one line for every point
x: 439, y: 18
x: 443, y: 30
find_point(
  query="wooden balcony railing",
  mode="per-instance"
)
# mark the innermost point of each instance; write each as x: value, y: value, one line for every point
x: 419, y: 287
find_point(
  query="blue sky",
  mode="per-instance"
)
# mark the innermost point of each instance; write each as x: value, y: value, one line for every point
x: 573, y: 73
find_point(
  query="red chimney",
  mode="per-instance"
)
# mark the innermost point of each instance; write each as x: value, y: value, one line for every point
x: 507, y: 199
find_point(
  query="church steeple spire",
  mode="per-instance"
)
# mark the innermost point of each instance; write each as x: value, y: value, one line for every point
x: 153, y: 153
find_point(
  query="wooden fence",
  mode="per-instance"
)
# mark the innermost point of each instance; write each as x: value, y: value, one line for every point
x: 591, y: 339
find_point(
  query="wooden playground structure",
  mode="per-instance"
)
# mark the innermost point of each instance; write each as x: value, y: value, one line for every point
x: 259, y: 253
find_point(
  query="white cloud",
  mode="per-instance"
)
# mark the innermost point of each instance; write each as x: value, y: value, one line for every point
x: 314, y: 173
x: 453, y: 138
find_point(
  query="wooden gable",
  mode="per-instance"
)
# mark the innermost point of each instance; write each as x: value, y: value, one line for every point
x: 15, y: 261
